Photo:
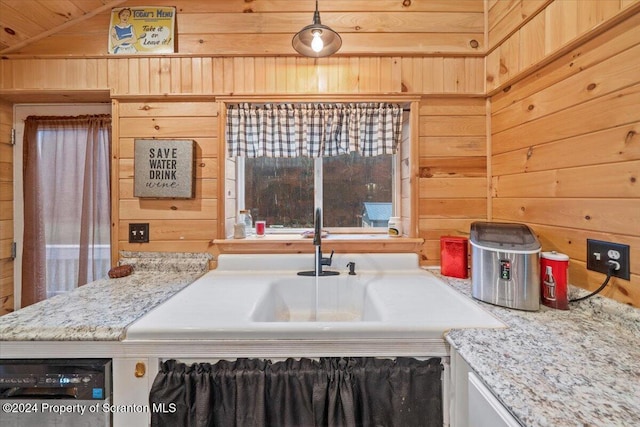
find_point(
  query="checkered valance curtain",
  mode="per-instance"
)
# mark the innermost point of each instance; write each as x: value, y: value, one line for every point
x: 312, y: 130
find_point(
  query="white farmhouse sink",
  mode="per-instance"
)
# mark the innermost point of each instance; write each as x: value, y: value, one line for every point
x: 260, y: 297
x: 341, y: 298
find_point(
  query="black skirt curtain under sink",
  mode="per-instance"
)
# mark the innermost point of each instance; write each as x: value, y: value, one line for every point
x: 350, y: 392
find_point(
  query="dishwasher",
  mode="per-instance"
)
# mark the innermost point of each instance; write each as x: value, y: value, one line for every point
x: 55, y: 392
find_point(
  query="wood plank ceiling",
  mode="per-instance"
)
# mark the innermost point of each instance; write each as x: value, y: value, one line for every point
x: 254, y: 27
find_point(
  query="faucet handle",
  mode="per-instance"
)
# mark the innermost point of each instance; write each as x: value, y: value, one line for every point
x: 352, y: 268
x: 327, y: 261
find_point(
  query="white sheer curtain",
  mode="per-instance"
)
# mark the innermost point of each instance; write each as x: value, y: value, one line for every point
x: 313, y: 130
x: 67, y: 203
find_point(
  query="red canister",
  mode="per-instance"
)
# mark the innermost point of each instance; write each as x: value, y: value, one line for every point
x: 454, y: 256
x: 554, y: 277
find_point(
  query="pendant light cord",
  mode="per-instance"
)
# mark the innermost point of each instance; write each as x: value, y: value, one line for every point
x: 613, y: 266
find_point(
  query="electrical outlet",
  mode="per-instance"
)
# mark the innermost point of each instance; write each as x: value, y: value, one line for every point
x: 139, y: 233
x: 599, y: 253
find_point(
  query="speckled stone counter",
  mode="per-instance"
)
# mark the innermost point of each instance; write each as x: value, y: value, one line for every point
x: 101, y: 310
x: 559, y: 368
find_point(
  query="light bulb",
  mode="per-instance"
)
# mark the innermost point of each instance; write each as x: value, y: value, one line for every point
x: 317, y: 44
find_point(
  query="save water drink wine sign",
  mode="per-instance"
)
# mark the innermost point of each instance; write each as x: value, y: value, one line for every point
x: 163, y: 168
x: 142, y: 30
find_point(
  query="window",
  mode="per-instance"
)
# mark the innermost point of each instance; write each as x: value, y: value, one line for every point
x: 291, y: 158
x: 353, y: 191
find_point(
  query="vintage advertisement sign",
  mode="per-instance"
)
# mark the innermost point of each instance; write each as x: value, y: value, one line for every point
x: 163, y: 168
x: 142, y: 30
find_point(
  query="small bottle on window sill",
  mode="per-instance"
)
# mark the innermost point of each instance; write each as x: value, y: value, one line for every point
x: 395, y: 226
x: 246, y: 219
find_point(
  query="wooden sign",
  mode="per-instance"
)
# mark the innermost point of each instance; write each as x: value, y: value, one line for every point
x: 142, y: 30
x: 163, y: 168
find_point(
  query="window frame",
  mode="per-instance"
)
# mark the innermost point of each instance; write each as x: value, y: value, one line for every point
x: 318, y: 196
x: 407, y: 188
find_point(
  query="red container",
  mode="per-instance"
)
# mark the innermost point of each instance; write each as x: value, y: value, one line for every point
x: 454, y: 256
x: 554, y: 278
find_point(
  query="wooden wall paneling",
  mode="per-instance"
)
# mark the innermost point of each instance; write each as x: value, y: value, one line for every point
x: 616, y: 144
x: 6, y: 74
x: 489, y: 151
x: 616, y: 180
x: 143, y: 209
x: 452, y: 209
x: 506, y: 16
x: 410, y: 72
x: 176, y: 74
x: 169, y: 108
x: 433, y: 75
x: 454, y: 167
x: 610, y: 75
x: 473, y: 76
x: 463, y: 125
x: 247, y: 75
x: 225, y: 28
x: 134, y: 73
x: 561, y: 29
x: 561, y: 24
x: 167, y: 127
x: 579, y: 59
x: 187, y: 225
x: 453, y: 188
x: 144, y: 76
x: 288, y: 22
x: 454, y: 146
x: 580, y: 119
x: 594, y: 12
x: 452, y: 183
x: 618, y: 216
x: 452, y: 106
x: 531, y: 48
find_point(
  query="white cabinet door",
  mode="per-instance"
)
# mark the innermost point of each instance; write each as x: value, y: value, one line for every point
x: 484, y: 409
x: 131, y: 391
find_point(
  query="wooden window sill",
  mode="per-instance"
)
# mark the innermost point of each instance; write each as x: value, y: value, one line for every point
x: 342, y: 243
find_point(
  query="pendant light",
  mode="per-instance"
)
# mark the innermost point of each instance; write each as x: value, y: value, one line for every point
x: 316, y: 40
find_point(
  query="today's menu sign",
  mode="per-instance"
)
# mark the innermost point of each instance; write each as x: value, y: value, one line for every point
x: 142, y: 30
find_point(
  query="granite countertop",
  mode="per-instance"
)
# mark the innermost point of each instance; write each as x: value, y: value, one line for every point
x: 549, y: 368
x: 552, y: 368
x: 101, y: 310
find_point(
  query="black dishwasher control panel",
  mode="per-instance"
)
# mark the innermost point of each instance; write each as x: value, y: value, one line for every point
x: 82, y: 379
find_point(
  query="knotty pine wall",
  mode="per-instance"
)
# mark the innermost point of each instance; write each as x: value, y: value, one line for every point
x: 452, y: 176
x: 566, y: 152
x: 175, y: 225
x: 265, y: 27
x: 523, y: 34
x: 6, y: 208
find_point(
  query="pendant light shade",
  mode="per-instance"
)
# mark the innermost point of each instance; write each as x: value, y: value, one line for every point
x: 316, y: 40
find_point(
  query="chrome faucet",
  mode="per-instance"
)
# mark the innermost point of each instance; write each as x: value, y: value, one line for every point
x: 319, y: 260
